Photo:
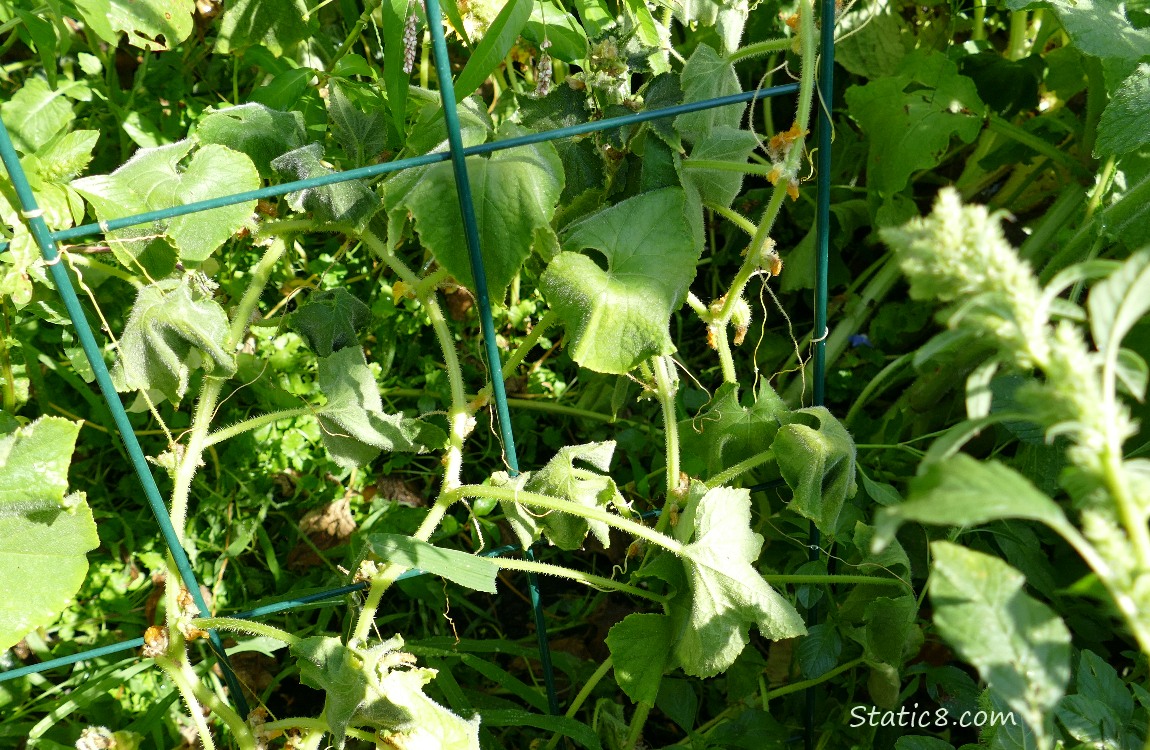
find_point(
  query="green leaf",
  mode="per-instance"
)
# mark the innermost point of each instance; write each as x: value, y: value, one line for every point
x: 379, y: 688
x: 719, y: 186
x: 330, y: 320
x: 354, y: 425
x: 170, y: 320
x: 818, y: 463
x: 278, y: 25
x: 727, y: 17
x: 395, y: 81
x: 253, y: 129
x: 888, y: 629
x: 1099, y: 681
x: 549, y: 21
x: 154, y: 25
x: 1117, y: 303
x: 1118, y: 132
x: 619, y: 316
x: 515, y: 193
x: 963, y: 491
x: 922, y: 743
x: 64, y: 157
x: 640, y: 645
x: 707, y: 76
x: 43, y: 36
x: 1097, y: 27
x: 513, y: 717
x: 728, y: 432
x: 494, y: 46
x: 1094, y: 723
x: 819, y: 650
x: 469, y: 571
x: 874, y: 43
x: 44, y: 535
x: 361, y: 130
x: 1020, y: 647
x: 724, y: 595
x: 562, y: 478
x: 910, y: 118
x: 349, y: 202
x: 596, y: 17
x: 35, y: 115
x: 154, y: 179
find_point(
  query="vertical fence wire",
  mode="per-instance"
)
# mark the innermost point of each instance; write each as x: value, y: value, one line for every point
x: 34, y: 215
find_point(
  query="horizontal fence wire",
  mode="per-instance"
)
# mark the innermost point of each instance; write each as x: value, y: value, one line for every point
x: 375, y: 170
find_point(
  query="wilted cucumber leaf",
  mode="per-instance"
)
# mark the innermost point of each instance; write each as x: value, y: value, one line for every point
x: 349, y: 202
x: 154, y: 179
x: 515, y: 193
x: 330, y: 320
x: 818, y: 464
x: 44, y: 535
x: 256, y: 130
x: 469, y: 571
x: 616, y: 318
x: 381, y: 688
x: 725, y: 594
x: 910, y: 118
x: 728, y: 432
x: 1019, y: 645
x: 150, y: 24
x: 640, y: 645
x: 563, y: 479
x: 708, y: 76
x: 354, y: 425
x: 175, y: 327
x: 35, y: 114
x: 277, y: 25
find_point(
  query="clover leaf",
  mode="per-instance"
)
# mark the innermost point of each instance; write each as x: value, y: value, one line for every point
x: 619, y: 316
x: 175, y: 327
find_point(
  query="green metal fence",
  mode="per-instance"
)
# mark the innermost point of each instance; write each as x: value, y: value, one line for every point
x: 457, y: 153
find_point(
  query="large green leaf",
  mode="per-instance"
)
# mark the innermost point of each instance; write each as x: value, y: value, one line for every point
x: 1118, y: 130
x: 155, y: 178
x: 150, y: 24
x: 277, y: 25
x: 910, y: 118
x: 1020, y: 647
x: 962, y: 491
x: 560, y: 28
x: 256, y: 130
x: 493, y: 48
x: 728, y: 432
x: 725, y: 594
x: 562, y: 478
x: 35, y: 114
x: 170, y: 320
x: 639, y: 654
x: 707, y: 76
x: 44, y: 534
x: 355, y: 427
x: 469, y: 571
x: 619, y: 316
x: 515, y: 193
x: 1097, y: 27
x: 817, y: 461
x: 330, y: 320
x: 380, y: 688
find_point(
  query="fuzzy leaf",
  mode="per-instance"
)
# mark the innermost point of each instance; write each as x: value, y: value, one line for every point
x: 1097, y: 27
x: 818, y: 464
x: 65, y: 156
x: 349, y: 202
x: 616, y: 318
x: 361, y: 130
x: 640, y: 645
x: 1020, y: 647
x: 707, y: 76
x: 253, y: 129
x: 719, y: 186
x: 561, y: 478
x: 175, y: 327
x: 469, y: 571
x: 330, y: 320
x: 277, y: 25
x: 1118, y: 131
x: 910, y: 118
x: 150, y: 24
x: 44, y: 535
x: 35, y: 114
x: 725, y: 594
x: 153, y: 179
x: 728, y: 432
x: 355, y: 427
x: 515, y: 193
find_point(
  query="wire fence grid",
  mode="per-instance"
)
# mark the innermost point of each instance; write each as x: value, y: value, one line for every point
x: 48, y: 242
